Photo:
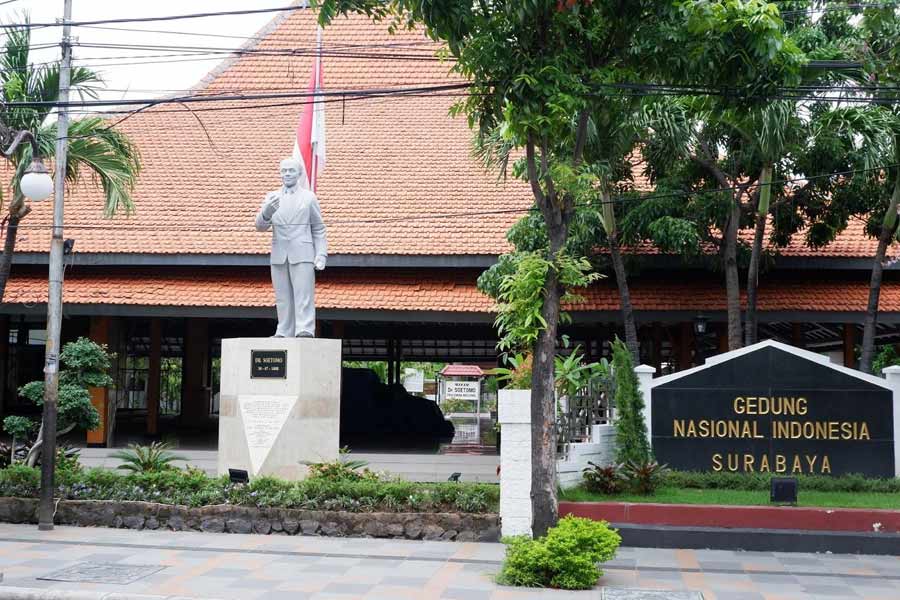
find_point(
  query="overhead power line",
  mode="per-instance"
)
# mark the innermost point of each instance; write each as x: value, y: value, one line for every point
x: 223, y: 13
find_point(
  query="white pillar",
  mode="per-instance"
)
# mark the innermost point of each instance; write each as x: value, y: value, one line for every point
x: 645, y: 380
x: 892, y: 374
x: 514, y: 416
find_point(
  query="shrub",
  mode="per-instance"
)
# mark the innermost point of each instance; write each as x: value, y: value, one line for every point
x: 604, y: 480
x: 20, y: 481
x: 518, y: 375
x: 761, y: 481
x: 341, y: 470
x: 567, y: 557
x: 643, y: 477
x: 192, y: 487
x: 67, y: 459
x: 145, y: 459
x: 631, y: 432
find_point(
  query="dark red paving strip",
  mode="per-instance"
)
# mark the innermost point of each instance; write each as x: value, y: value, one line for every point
x: 749, y: 517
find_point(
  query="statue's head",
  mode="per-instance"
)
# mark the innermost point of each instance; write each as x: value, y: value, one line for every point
x: 292, y: 172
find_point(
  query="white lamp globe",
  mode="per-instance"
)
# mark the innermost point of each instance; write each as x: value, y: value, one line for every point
x: 36, y: 186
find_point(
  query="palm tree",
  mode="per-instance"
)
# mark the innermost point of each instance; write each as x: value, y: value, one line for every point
x: 107, y: 154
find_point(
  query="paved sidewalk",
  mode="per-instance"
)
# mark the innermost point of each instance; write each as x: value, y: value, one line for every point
x: 247, y: 567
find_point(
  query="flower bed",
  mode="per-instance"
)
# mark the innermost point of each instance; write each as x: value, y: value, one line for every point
x: 245, y: 519
x: 191, y: 500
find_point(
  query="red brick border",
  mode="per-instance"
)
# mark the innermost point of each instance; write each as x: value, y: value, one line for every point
x: 750, y: 517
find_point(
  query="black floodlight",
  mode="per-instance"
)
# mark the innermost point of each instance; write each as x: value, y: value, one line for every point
x: 784, y: 490
x: 238, y: 476
x: 454, y: 477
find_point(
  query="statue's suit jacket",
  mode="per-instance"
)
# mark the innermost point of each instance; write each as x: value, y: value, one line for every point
x: 298, y: 233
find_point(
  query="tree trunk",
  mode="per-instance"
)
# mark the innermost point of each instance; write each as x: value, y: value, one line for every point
x: 544, y: 504
x: 631, y: 338
x: 9, y: 246
x: 732, y: 283
x: 868, y: 342
x: 762, y: 215
x: 750, y: 333
x: 888, y: 229
x: 34, y: 453
x: 17, y: 211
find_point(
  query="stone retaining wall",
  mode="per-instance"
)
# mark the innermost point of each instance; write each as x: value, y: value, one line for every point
x: 221, y: 518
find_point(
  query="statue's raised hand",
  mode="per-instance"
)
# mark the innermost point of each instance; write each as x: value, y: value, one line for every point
x: 270, y: 208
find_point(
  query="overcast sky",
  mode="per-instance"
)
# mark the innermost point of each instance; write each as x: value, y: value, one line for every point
x: 143, y: 80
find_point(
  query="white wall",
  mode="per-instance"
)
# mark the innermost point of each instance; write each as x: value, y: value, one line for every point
x: 600, y: 452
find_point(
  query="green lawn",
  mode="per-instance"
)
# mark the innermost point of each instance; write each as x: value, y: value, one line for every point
x: 669, y: 495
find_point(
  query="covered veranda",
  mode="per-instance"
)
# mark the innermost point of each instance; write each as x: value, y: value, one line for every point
x: 166, y: 327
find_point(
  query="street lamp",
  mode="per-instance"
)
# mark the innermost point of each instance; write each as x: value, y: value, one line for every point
x: 700, y: 324
x: 36, y: 184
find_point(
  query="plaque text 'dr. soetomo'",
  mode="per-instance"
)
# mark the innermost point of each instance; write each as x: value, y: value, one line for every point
x: 268, y: 364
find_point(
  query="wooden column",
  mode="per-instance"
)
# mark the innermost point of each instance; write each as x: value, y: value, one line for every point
x: 398, y: 360
x: 337, y: 329
x: 153, y: 376
x: 657, y: 346
x: 797, y: 337
x: 99, y: 333
x: 195, y: 371
x: 685, y: 338
x: 723, y: 338
x: 850, y: 345
x: 390, y: 361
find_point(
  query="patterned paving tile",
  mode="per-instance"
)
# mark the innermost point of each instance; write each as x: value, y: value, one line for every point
x: 91, y: 572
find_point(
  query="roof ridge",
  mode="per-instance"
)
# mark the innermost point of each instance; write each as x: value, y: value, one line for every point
x: 260, y: 36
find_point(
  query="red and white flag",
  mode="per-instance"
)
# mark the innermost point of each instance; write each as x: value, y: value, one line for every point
x: 310, y: 143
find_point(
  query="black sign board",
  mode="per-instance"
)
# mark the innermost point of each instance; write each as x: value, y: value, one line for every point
x: 271, y: 364
x: 770, y: 410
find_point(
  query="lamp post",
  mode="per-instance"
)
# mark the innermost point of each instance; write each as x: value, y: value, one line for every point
x: 54, y: 284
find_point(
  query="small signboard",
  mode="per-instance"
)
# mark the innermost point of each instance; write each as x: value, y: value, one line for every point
x: 268, y: 364
x: 774, y: 409
x: 462, y: 390
x: 414, y: 380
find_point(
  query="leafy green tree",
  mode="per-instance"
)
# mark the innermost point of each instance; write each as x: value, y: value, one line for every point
x: 532, y: 67
x: 632, y: 445
x: 719, y: 149
x: 613, y: 134
x: 94, y: 147
x: 85, y: 364
x: 880, y: 52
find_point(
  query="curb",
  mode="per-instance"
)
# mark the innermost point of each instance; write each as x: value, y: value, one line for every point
x: 16, y: 593
x: 794, y: 518
x: 760, y: 540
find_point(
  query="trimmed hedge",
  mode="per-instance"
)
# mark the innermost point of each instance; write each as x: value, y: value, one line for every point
x: 194, y: 488
x: 762, y: 481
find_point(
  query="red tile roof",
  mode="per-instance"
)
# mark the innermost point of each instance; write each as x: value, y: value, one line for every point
x: 391, y: 161
x: 462, y: 371
x: 411, y: 290
x: 351, y: 289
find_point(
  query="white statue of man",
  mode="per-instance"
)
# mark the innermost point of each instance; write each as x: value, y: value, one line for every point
x: 298, y: 246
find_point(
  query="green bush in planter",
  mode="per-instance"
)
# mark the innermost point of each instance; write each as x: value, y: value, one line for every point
x: 566, y: 558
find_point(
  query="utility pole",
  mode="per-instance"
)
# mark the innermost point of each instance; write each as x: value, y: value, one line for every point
x: 54, y: 301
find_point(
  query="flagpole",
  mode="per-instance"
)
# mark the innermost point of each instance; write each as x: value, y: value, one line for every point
x: 315, y: 158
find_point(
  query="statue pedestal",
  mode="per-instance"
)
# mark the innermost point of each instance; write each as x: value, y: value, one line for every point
x: 279, y: 405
